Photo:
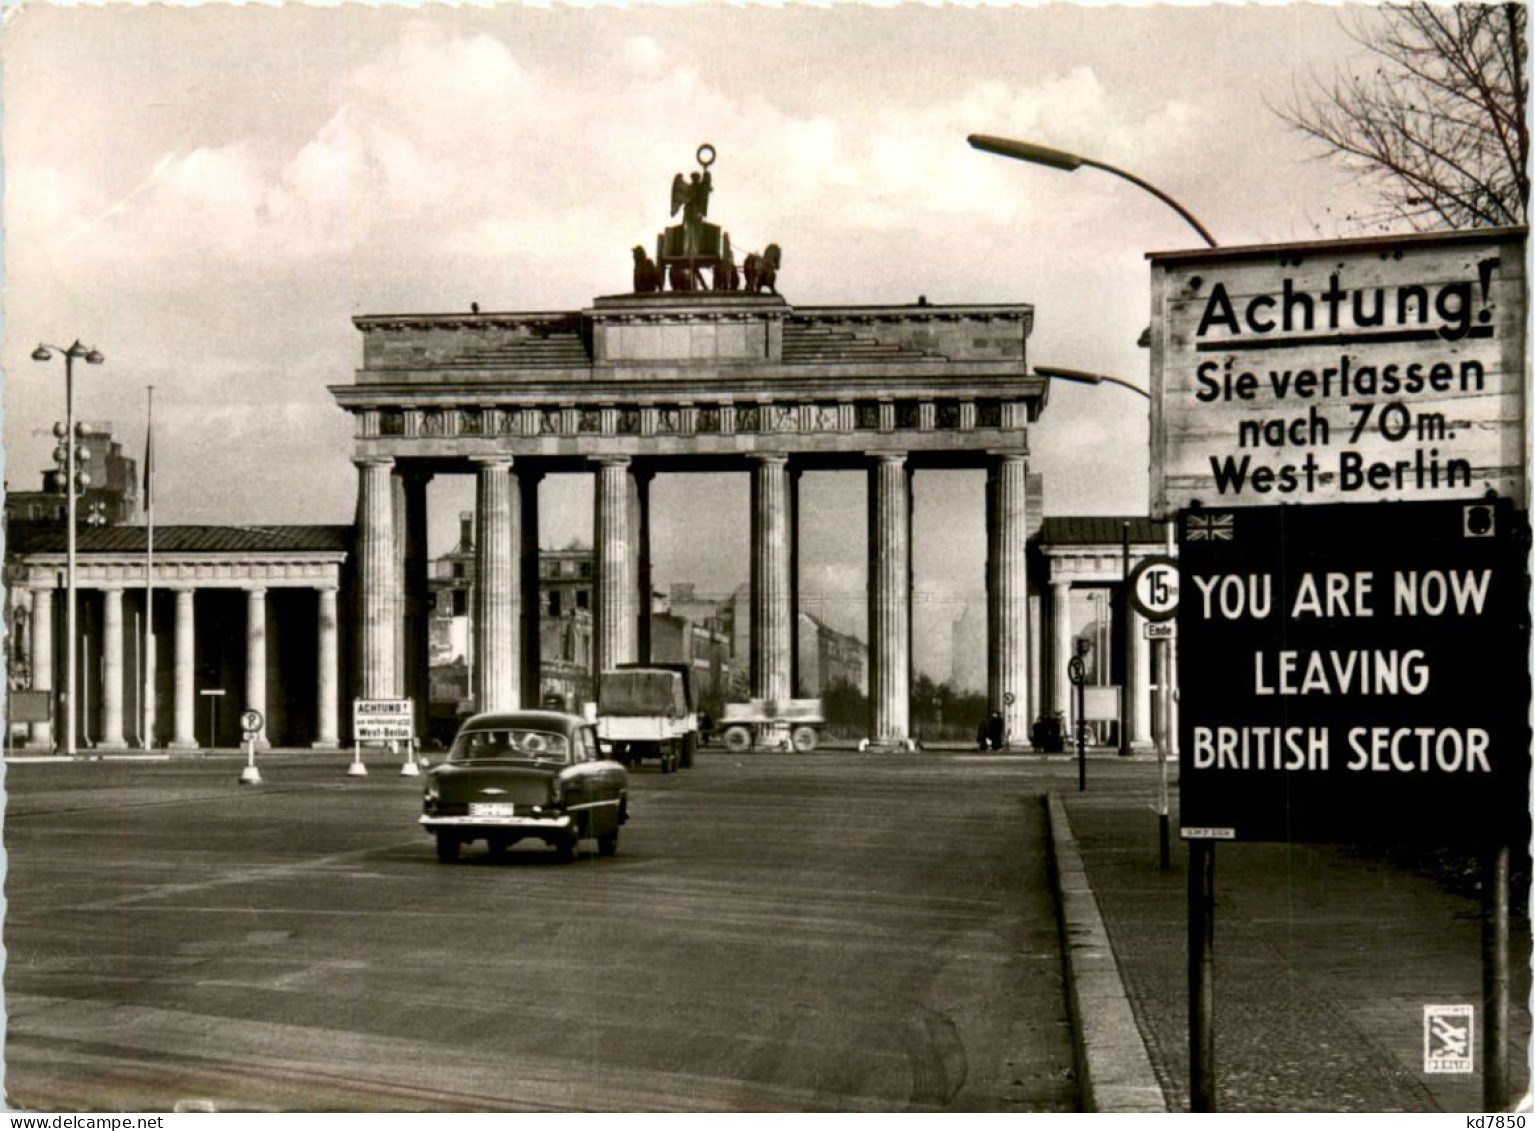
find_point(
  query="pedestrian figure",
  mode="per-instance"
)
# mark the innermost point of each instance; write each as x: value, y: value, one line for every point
x: 996, y: 731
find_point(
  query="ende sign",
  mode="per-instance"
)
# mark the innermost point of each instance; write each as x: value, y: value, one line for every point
x: 1354, y: 674
x: 1338, y: 372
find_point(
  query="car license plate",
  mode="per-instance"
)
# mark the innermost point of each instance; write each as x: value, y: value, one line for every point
x: 492, y: 809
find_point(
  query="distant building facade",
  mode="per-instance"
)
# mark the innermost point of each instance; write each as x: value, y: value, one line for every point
x: 828, y: 658
x: 111, y: 498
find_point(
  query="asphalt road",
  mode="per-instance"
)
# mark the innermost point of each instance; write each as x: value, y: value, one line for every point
x: 825, y: 932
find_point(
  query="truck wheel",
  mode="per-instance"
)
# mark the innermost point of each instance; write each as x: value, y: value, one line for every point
x: 689, y: 747
x: 666, y: 759
x: 447, y: 848
x: 738, y: 740
x: 804, y: 739
x: 566, y: 848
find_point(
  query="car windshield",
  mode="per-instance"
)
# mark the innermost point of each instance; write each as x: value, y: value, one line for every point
x: 511, y: 744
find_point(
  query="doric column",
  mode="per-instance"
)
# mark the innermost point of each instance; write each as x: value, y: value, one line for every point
x: 255, y: 658
x: 376, y: 588
x: 645, y: 583
x: 327, y: 704
x: 794, y: 627
x: 532, y: 636
x: 613, y: 586
x: 771, y: 606
x: 148, y: 678
x: 414, y: 651
x: 1037, y: 698
x: 1060, y: 650
x: 1008, y: 603
x: 889, y: 599
x: 1138, y: 679
x: 41, y: 737
x: 498, y: 626
x: 185, y: 736
x: 112, y: 668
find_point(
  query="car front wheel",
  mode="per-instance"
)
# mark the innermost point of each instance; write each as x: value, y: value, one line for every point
x: 566, y: 849
x: 447, y: 848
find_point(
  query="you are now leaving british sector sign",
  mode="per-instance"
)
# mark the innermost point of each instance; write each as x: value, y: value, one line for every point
x: 1357, y: 371
x: 1353, y: 673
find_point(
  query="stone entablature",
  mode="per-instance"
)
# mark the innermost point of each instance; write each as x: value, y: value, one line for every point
x: 699, y: 373
x: 43, y: 571
x: 1099, y: 566
x: 656, y: 424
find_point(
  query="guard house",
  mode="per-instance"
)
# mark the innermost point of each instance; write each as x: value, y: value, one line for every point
x: 711, y: 375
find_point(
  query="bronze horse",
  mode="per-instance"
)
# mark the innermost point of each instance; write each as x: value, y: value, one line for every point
x: 762, y: 270
x: 647, y: 276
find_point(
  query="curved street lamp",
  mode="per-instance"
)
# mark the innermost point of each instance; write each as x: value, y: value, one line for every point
x: 1070, y: 162
x: 1082, y: 377
x: 92, y: 357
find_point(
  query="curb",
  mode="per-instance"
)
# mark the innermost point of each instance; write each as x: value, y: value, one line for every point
x: 1113, y: 1066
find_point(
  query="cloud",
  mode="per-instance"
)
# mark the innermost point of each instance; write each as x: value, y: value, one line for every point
x: 443, y: 164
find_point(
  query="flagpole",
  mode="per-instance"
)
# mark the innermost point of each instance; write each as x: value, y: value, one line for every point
x: 146, y: 735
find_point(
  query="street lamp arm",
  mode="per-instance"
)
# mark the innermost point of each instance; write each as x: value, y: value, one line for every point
x: 1070, y: 162
x: 1082, y: 377
x: 1159, y: 194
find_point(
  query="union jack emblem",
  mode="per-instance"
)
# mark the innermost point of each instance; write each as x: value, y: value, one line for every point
x: 1210, y: 527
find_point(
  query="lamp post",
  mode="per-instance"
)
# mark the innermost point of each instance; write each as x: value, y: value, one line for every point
x: 1201, y: 852
x: 1081, y: 377
x: 92, y: 357
x: 1071, y: 162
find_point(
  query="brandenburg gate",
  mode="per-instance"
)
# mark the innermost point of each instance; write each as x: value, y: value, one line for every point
x: 694, y: 371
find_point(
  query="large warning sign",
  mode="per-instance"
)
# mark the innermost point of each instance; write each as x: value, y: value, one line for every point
x: 1354, y: 673
x: 1339, y: 372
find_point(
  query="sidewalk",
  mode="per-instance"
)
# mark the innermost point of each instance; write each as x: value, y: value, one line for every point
x: 1325, y: 957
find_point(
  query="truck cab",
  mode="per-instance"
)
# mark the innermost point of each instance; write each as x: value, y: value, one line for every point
x: 646, y: 711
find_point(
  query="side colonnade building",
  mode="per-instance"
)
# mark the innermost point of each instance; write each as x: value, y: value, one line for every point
x: 245, y: 617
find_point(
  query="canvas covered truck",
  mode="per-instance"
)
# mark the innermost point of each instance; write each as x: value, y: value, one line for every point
x: 646, y: 711
x: 767, y: 723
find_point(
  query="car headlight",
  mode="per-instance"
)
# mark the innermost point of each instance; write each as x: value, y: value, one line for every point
x: 556, y: 791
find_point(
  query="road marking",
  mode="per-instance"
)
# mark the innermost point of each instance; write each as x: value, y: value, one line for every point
x: 245, y: 876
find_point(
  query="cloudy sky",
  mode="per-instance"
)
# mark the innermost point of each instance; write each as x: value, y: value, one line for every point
x: 209, y: 195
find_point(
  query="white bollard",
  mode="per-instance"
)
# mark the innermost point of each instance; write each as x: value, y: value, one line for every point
x: 356, y: 769
x: 250, y: 775
x: 409, y: 769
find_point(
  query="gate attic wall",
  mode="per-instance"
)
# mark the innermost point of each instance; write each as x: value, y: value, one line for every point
x: 700, y: 381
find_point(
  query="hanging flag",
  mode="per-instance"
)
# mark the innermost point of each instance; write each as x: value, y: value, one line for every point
x: 149, y: 460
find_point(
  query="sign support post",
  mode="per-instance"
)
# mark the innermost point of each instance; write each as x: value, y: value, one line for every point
x: 1164, y: 722
x: 1077, y: 670
x: 250, y: 723
x: 1495, y: 978
x: 1201, y: 975
x: 1126, y: 636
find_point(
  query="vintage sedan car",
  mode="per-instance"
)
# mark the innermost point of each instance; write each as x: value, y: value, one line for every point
x: 525, y: 775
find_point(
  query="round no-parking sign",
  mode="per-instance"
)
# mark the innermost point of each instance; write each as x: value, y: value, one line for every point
x: 1154, y: 587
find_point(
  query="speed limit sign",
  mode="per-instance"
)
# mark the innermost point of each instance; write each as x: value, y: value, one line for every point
x: 1153, y: 587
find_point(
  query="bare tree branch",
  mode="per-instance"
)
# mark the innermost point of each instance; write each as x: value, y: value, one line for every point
x: 1434, y: 120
